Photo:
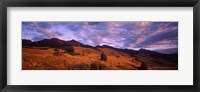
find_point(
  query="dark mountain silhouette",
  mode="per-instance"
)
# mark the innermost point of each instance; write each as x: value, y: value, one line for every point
x: 156, y: 54
x: 53, y: 42
x: 74, y: 43
x: 104, y: 46
x: 26, y: 42
x: 168, y: 51
x: 153, y: 59
x: 144, y: 51
x: 128, y: 51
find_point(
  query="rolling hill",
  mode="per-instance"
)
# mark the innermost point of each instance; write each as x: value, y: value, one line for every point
x: 56, y: 54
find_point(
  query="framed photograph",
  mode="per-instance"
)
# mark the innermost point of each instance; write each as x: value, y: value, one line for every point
x: 87, y: 45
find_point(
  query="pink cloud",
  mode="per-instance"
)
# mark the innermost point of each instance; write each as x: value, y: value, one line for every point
x: 163, y: 44
x: 141, y: 27
x: 145, y: 37
x: 143, y: 24
x: 112, y: 26
x: 46, y: 32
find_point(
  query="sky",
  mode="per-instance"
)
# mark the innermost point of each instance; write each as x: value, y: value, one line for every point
x: 157, y: 36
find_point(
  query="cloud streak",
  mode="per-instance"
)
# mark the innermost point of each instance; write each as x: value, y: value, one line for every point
x: 132, y: 35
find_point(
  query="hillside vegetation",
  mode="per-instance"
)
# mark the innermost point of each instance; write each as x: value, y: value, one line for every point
x: 55, y: 54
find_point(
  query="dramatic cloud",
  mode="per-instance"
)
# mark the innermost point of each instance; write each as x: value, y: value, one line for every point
x: 133, y: 35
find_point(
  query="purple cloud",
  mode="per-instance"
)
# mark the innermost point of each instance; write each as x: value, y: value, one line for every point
x: 132, y: 35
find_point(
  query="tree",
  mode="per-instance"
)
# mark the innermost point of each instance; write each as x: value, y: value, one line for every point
x: 143, y: 66
x: 103, y: 57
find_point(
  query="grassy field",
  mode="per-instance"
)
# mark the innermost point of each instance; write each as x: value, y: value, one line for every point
x: 44, y: 58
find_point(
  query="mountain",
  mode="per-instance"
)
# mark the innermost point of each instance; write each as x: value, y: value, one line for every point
x: 53, y: 42
x: 104, y: 46
x: 117, y: 58
x: 168, y: 51
x: 154, y: 59
x: 128, y: 51
x: 74, y: 43
x: 26, y: 42
x: 148, y: 52
x: 157, y: 54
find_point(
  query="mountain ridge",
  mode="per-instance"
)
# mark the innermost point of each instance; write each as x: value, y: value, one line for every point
x: 55, y: 42
x: 73, y: 50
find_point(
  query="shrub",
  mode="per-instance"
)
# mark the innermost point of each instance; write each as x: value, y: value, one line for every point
x: 68, y: 49
x: 81, y: 66
x: 121, y: 67
x: 98, y: 66
x: 57, y: 52
x: 103, y: 57
x: 143, y: 66
x: 95, y: 66
x: 55, y: 49
x: 133, y: 60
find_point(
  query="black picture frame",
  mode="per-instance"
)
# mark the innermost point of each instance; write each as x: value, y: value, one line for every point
x: 98, y: 3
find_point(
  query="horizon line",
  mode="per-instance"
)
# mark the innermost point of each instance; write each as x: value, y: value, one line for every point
x: 136, y: 49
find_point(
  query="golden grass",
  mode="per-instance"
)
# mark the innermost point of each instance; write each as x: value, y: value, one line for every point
x: 86, y: 59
